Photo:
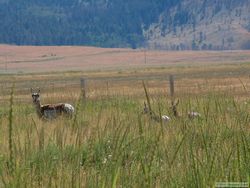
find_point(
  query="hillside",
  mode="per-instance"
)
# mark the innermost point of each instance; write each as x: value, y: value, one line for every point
x: 160, y: 24
x: 104, y: 23
x: 200, y: 24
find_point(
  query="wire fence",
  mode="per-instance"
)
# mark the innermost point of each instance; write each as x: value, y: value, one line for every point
x: 95, y: 87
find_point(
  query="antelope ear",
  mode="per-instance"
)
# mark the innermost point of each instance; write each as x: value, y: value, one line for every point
x: 31, y: 90
x: 38, y: 90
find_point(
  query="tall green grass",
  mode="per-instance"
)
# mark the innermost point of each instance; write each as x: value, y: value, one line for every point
x: 110, y: 143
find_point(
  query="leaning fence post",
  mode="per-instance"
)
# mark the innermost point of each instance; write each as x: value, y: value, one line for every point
x: 83, y: 88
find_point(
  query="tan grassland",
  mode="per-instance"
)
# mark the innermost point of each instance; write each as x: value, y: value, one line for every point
x: 120, y: 71
x: 26, y: 59
x: 109, y: 142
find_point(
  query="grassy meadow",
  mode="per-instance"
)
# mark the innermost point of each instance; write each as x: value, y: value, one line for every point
x: 110, y: 143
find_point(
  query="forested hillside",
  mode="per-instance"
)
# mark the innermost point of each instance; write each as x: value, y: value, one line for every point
x: 202, y: 25
x: 118, y: 23
x: 108, y: 23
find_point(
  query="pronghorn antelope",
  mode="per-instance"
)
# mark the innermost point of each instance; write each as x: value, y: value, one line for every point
x: 163, y: 118
x: 50, y: 111
x: 190, y: 115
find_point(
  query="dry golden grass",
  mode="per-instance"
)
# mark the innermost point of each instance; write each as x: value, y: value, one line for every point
x: 108, y: 141
x: 233, y: 79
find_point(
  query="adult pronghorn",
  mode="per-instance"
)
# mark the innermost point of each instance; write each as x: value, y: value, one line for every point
x: 50, y: 111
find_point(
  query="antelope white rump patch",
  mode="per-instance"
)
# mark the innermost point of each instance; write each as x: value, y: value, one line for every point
x: 69, y: 108
x: 165, y: 118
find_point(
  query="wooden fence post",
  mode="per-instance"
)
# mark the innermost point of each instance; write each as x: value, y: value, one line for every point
x: 171, y: 85
x: 83, y: 88
x: 107, y: 87
x: 174, y: 104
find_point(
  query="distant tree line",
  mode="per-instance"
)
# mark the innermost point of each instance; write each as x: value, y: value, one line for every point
x: 105, y: 23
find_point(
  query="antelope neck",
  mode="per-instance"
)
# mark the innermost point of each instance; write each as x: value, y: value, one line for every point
x: 38, y: 107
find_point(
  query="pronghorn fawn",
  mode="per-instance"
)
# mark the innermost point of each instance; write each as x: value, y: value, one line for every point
x: 50, y: 111
x: 154, y: 116
x: 165, y: 118
x: 190, y: 115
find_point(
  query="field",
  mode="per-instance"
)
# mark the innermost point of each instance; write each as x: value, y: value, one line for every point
x: 109, y: 142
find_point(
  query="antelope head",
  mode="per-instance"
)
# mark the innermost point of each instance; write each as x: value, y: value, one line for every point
x: 35, y: 95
